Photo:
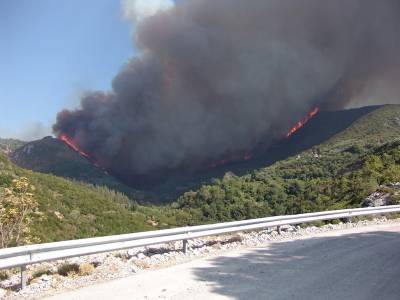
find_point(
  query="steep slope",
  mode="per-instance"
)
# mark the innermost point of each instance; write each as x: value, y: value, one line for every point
x: 375, y: 128
x: 320, y: 129
x: 52, y: 156
x: 339, y: 173
x: 55, y: 157
x: 75, y: 210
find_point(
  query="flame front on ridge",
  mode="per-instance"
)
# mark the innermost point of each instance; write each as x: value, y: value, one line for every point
x: 72, y: 145
x: 303, y: 121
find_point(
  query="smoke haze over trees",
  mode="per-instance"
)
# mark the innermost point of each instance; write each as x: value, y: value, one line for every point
x: 216, y: 79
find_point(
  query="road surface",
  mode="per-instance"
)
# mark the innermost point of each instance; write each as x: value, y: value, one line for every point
x: 354, y: 264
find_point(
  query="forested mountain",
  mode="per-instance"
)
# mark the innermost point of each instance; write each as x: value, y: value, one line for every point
x: 340, y: 172
x: 53, y: 156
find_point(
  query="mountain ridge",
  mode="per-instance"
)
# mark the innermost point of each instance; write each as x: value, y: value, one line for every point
x: 53, y: 156
x: 7, y: 146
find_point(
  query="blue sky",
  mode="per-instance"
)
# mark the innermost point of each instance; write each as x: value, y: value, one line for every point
x: 51, y: 51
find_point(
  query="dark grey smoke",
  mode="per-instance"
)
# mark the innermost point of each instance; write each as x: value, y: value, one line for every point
x: 217, y: 78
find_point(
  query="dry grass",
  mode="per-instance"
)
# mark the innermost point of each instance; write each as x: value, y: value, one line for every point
x: 142, y: 264
x: 86, y: 269
x: 121, y: 255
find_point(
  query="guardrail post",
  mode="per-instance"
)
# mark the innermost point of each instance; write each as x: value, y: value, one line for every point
x: 185, y: 246
x: 24, y: 277
x: 349, y: 218
x: 279, y: 230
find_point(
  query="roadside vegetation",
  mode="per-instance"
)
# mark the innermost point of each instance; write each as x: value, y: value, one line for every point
x: 18, y: 210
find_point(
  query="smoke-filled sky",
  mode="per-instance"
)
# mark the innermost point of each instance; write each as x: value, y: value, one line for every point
x: 215, y: 79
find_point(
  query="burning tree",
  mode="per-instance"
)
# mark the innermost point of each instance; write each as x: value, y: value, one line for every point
x: 18, y: 207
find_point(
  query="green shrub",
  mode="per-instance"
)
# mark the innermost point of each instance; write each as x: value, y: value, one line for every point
x: 4, y: 275
x: 68, y: 269
x: 40, y: 272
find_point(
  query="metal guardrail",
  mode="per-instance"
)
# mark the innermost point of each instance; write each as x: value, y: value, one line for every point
x: 32, y: 254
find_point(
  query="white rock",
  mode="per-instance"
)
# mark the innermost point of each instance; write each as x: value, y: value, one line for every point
x: 157, y: 257
x: 134, y: 269
x: 3, y: 293
x: 141, y: 256
x: 46, y: 278
x: 131, y: 252
x: 290, y: 229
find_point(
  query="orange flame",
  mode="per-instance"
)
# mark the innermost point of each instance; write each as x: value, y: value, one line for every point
x: 72, y: 145
x: 303, y: 122
x: 246, y: 157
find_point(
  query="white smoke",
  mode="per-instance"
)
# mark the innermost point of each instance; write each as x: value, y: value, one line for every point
x: 27, y: 132
x: 137, y: 10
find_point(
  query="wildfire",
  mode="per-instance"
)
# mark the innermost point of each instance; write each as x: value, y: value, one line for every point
x: 237, y: 158
x: 219, y: 163
x: 247, y: 157
x: 303, y: 122
x: 72, y: 145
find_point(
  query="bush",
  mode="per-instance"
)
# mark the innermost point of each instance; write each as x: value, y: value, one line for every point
x: 18, y: 208
x: 4, y: 275
x: 235, y: 239
x: 68, y: 269
x: 86, y: 269
x: 40, y: 272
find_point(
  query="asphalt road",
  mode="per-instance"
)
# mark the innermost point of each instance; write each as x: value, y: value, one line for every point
x: 357, y: 264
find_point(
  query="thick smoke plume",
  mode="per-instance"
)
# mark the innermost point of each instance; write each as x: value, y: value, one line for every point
x: 216, y: 79
x: 137, y: 10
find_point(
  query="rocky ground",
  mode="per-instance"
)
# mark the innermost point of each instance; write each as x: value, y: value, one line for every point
x: 49, y: 278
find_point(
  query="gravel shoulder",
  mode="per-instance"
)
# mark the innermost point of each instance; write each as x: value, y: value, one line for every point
x: 358, y: 263
x: 235, y: 267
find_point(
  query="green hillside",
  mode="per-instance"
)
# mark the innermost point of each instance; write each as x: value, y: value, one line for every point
x: 338, y: 173
x: 75, y: 210
x: 52, y: 156
x: 378, y: 127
